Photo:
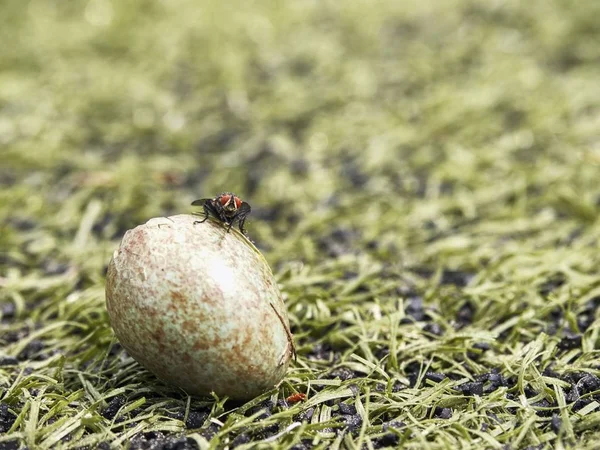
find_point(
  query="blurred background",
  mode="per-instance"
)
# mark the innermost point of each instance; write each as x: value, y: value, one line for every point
x: 432, y: 162
x: 370, y: 122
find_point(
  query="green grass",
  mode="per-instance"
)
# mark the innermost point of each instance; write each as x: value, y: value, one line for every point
x: 424, y: 183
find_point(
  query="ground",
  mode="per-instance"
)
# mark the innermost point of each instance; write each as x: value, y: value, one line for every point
x: 424, y: 183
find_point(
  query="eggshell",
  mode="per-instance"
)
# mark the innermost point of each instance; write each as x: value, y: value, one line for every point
x: 199, y: 308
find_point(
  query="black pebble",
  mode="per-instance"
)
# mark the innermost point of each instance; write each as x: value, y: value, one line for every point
x: 320, y: 351
x: 347, y: 409
x: 443, y: 413
x: 588, y: 383
x: 465, y: 314
x: 415, y: 309
x: 352, y: 170
x: 456, y: 278
x: 265, y: 407
x: 482, y: 346
x: 544, y: 406
x: 380, y: 388
x: 570, y: 341
x: 494, y: 417
x: 338, y: 242
x: 471, y: 388
x: 8, y: 361
x: 52, y: 267
x: 210, y: 431
x: 305, y: 444
x: 587, y: 316
x: 299, y: 166
x: 353, y: 422
x: 556, y: 423
x: 354, y: 388
x: 530, y: 392
x: 8, y: 310
x: 13, y: 444
x: 343, y: 373
x: 23, y: 224
x: 269, y: 431
x: 435, y: 377
x: 390, y: 439
x: 498, y: 379
x: 195, y: 419
x: 240, y: 440
x: 305, y: 415
x: 6, y: 418
x: 183, y: 443
x: 412, y: 379
x: 434, y: 328
x: 581, y: 403
x: 32, y: 351
x: 113, y: 407
x: 550, y: 285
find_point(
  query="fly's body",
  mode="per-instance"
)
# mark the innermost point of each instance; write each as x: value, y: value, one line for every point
x: 227, y: 207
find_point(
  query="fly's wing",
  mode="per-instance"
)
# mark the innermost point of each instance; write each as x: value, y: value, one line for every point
x: 208, y: 208
x: 243, y: 210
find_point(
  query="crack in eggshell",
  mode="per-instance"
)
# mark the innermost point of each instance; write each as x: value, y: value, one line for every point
x: 291, y: 347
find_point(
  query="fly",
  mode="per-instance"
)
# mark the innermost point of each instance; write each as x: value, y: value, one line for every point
x: 227, y: 208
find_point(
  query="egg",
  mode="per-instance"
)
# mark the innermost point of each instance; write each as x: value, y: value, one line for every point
x: 198, y: 306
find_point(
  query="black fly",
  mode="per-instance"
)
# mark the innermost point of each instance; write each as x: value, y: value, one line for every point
x: 227, y: 208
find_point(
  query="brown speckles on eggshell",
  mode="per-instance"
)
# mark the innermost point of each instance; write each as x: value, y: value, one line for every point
x: 178, y: 298
x: 214, y: 337
x: 189, y: 326
x: 159, y: 337
x: 201, y: 344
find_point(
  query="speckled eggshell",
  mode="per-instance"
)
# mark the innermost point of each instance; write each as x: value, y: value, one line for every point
x: 199, y: 308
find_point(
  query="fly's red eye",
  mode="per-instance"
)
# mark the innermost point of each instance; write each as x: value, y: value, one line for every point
x: 224, y: 199
x: 237, y: 201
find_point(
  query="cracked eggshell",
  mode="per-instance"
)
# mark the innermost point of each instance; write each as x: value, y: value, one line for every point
x: 199, y: 308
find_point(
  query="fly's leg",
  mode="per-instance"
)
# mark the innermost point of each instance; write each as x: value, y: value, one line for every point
x: 241, y: 224
x: 207, y: 211
x: 203, y: 220
x: 240, y: 218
